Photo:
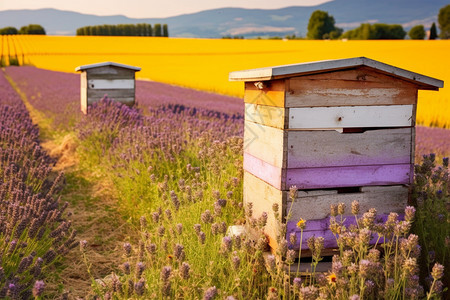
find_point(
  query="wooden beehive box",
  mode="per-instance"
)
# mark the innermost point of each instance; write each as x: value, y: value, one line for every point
x: 339, y: 130
x: 115, y: 80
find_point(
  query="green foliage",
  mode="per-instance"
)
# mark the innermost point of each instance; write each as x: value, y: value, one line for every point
x: 234, y: 37
x: 157, y: 30
x: 32, y: 29
x: 417, y: 32
x: 165, y: 31
x: 444, y: 22
x: 14, y: 61
x: 8, y: 30
x: 432, y: 197
x: 141, y: 29
x: 377, y: 31
x: 433, y: 32
x: 321, y: 26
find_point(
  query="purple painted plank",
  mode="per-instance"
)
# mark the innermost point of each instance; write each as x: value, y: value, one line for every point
x: 316, y: 178
x: 263, y: 170
x: 321, y: 228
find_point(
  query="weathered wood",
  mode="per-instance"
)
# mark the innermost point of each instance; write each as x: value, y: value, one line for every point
x: 127, y: 101
x: 349, y: 87
x: 311, y: 205
x: 327, y: 177
x: 263, y: 196
x: 111, y: 84
x: 264, y: 171
x: 83, y: 93
x: 317, y: 178
x: 350, y: 116
x: 357, y: 75
x: 266, y: 143
x: 272, y: 93
x: 127, y: 73
x: 266, y: 115
x: 112, y: 93
x: 311, y: 149
x: 111, y: 76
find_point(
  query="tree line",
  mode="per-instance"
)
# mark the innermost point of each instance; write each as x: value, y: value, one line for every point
x: 321, y: 25
x: 29, y: 29
x: 142, y: 29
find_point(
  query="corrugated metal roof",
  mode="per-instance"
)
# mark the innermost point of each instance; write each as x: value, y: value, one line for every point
x: 104, y: 64
x: 323, y: 66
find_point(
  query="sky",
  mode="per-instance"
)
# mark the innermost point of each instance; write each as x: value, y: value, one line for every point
x: 149, y: 8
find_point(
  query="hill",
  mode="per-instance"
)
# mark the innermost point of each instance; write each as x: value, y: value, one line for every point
x: 247, y: 22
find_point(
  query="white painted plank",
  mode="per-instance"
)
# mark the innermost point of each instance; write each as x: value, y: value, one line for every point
x: 99, y: 84
x: 351, y: 116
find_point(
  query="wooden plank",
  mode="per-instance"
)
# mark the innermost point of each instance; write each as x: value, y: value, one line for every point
x: 111, y: 83
x: 111, y: 70
x: 112, y: 93
x: 358, y: 75
x: 263, y: 196
x: 112, y: 76
x: 128, y: 101
x: 351, y: 117
x: 272, y: 93
x: 311, y: 149
x: 83, y: 93
x: 266, y: 115
x: 264, y: 171
x: 361, y: 86
x: 385, y: 199
x: 321, y: 228
x: 333, y: 177
x: 266, y: 143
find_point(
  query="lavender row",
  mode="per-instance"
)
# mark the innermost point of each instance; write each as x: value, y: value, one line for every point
x: 432, y: 140
x: 167, y: 129
x: 33, y: 232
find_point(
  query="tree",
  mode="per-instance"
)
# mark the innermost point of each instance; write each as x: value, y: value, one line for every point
x: 433, y: 32
x: 377, y: 31
x: 157, y: 30
x: 321, y: 26
x: 8, y: 30
x: 165, y: 30
x: 444, y: 22
x: 32, y: 29
x: 417, y: 32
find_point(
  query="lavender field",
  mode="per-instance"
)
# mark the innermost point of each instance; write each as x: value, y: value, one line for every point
x: 151, y: 191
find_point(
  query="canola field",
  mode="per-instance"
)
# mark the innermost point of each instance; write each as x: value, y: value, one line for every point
x: 204, y: 64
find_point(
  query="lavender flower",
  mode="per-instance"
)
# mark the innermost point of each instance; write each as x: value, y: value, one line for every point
x: 127, y: 248
x: 38, y: 288
x: 184, y: 270
x: 438, y: 271
x: 210, y: 293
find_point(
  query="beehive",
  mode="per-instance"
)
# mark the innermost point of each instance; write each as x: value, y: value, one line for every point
x: 117, y: 81
x: 339, y: 130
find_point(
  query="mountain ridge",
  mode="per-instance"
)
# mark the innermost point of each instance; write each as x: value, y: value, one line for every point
x: 215, y: 23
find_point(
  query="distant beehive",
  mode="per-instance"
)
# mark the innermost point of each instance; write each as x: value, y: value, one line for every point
x: 339, y: 130
x: 107, y: 78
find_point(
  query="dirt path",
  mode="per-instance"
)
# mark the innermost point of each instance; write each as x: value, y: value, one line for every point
x: 91, y: 209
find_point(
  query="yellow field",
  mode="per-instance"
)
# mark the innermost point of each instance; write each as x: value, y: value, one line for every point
x: 205, y: 63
